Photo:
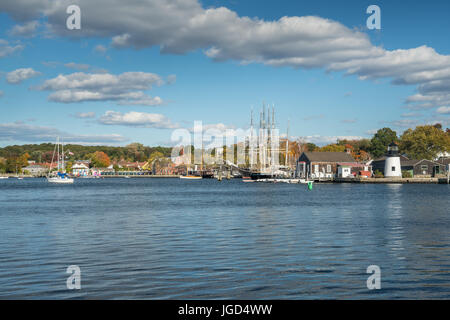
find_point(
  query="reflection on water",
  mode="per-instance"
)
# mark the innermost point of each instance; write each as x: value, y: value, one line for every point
x: 169, y: 238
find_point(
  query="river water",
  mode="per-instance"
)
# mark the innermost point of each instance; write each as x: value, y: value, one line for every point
x: 180, y: 239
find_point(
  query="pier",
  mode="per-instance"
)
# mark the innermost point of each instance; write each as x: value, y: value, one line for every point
x: 391, y: 180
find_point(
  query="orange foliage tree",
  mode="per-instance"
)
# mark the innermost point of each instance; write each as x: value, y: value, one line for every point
x: 100, y: 159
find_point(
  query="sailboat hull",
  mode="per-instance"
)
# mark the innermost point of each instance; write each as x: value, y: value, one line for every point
x: 60, y: 180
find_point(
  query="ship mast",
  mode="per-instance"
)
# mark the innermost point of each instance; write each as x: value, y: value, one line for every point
x: 251, y: 139
x: 287, y: 145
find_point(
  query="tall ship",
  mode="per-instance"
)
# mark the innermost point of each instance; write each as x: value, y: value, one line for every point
x: 264, y: 148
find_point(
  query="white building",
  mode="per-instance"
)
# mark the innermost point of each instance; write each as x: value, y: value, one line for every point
x: 80, y: 169
x: 35, y: 170
x: 344, y: 172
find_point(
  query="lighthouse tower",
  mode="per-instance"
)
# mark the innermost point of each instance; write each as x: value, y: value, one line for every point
x: 392, y: 166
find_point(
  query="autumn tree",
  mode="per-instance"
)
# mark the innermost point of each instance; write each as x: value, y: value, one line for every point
x: 424, y: 142
x: 332, y: 148
x: 99, y: 159
x: 16, y: 163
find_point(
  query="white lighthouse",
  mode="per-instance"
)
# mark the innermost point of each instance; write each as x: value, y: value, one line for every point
x: 392, y: 166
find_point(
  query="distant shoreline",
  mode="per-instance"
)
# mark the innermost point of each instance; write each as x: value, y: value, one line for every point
x: 329, y: 181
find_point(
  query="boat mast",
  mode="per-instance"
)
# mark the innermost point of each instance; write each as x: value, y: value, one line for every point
x: 287, y: 145
x: 57, y: 143
x: 273, y: 140
x: 63, y: 169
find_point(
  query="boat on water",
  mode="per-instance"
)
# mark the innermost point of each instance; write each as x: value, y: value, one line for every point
x: 281, y: 180
x: 61, y: 176
x: 190, y: 177
x: 1, y: 177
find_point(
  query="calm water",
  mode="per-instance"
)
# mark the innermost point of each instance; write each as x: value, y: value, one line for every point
x: 176, y: 239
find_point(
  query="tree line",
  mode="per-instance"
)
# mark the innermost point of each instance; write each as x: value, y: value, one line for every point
x: 423, y: 142
x: 13, y: 158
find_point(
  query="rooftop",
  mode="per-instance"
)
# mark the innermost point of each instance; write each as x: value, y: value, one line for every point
x: 329, y: 156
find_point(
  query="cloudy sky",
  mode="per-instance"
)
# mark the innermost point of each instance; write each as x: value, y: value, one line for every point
x: 138, y: 69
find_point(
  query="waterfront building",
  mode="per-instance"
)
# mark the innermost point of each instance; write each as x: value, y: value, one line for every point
x: 353, y: 169
x: 97, y: 172
x: 416, y: 168
x: 423, y: 168
x: 379, y: 163
x: 36, y: 170
x: 80, y: 169
x: 321, y: 164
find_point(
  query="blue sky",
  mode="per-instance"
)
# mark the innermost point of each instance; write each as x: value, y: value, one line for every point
x: 333, y: 96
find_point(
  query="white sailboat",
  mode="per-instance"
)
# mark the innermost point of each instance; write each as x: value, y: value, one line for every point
x: 61, y: 176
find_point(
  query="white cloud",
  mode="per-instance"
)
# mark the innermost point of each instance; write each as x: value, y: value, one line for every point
x: 405, y: 123
x: 19, y: 75
x: 100, y: 49
x: 126, y: 88
x: 50, y: 64
x: 26, y: 30
x: 443, y: 110
x: 411, y: 115
x: 180, y: 26
x: 137, y: 119
x: 348, y: 121
x: 19, y: 131
x: 314, y: 117
x: 84, y: 115
x: 78, y: 66
x: 171, y: 79
x: 6, y: 48
x: 322, y: 140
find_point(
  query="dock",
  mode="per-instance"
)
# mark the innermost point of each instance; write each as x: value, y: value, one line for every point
x: 391, y: 180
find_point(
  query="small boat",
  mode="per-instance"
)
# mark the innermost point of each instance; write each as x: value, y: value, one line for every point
x: 127, y: 177
x: 1, y: 177
x: 191, y: 177
x: 61, y: 177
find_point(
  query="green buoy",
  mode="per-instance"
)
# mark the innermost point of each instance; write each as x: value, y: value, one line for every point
x: 310, y: 185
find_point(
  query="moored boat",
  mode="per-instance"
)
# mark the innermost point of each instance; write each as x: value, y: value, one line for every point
x: 191, y: 177
x: 61, y: 177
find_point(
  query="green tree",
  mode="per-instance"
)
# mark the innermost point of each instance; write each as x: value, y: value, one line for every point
x: 381, y: 140
x: 2, y: 165
x: 311, y: 147
x: 424, y: 142
x: 155, y: 155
